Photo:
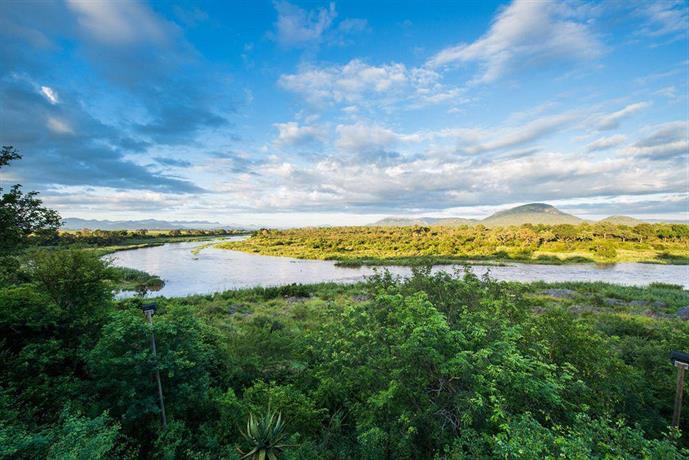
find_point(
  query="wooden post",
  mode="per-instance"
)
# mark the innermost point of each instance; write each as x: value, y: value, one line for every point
x: 681, y: 367
x: 149, y: 315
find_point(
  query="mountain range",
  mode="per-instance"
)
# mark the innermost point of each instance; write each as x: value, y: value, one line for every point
x: 533, y: 213
x: 75, y: 223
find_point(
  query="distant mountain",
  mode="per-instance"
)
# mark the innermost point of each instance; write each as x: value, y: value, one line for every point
x: 75, y: 223
x: 399, y: 222
x: 406, y: 222
x: 534, y: 213
x: 667, y: 221
x: 623, y: 220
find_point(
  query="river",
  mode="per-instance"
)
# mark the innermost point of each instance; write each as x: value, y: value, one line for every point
x: 213, y: 270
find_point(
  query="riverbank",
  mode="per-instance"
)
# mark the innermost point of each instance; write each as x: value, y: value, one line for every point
x: 413, y: 246
x: 134, y: 243
x: 656, y: 301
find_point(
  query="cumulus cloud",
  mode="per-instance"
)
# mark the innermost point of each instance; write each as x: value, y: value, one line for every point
x: 612, y: 120
x: 297, y: 27
x: 359, y: 82
x: 526, y: 33
x: 432, y: 184
x: 300, y: 28
x: 72, y: 148
x: 291, y: 134
x: 360, y: 137
x: 605, y: 143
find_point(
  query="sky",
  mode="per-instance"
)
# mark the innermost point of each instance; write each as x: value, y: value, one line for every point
x: 325, y: 113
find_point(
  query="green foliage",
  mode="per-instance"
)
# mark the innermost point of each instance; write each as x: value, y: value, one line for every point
x: 130, y: 279
x: 80, y: 438
x: 73, y: 279
x: 22, y: 216
x: 266, y: 436
x: 72, y: 437
x: 434, y: 366
x: 189, y: 361
x: 601, y: 438
x: 123, y: 239
x: 563, y: 243
x: 304, y: 416
x: 46, y: 327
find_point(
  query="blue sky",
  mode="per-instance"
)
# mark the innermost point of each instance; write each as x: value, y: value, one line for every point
x: 308, y: 113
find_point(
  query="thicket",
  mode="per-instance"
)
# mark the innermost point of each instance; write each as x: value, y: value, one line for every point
x: 436, y: 366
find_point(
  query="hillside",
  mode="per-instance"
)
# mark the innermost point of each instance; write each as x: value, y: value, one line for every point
x: 623, y: 220
x: 406, y: 222
x: 534, y: 213
x: 399, y: 222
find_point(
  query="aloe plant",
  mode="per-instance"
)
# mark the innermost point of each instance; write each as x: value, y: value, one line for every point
x: 266, y: 435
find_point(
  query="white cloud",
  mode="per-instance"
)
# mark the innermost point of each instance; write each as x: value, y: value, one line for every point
x: 119, y: 22
x: 612, y: 120
x: 666, y: 141
x: 358, y: 82
x: 665, y: 17
x: 425, y: 183
x: 291, y: 134
x: 362, y: 137
x: 526, y: 33
x: 59, y: 126
x: 50, y: 94
x: 297, y: 27
x: 528, y: 132
x: 605, y: 143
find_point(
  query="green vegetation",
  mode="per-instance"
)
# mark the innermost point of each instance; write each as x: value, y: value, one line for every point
x: 436, y: 366
x: 115, y: 240
x: 266, y: 435
x: 550, y: 244
x: 23, y: 219
x: 130, y: 279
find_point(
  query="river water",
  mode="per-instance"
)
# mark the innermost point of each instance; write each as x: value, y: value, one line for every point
x: 212, y: 270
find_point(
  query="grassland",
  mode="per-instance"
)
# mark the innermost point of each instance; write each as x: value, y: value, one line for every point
x: 422, y: 245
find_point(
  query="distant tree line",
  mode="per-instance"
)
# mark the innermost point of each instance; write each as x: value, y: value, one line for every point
x: 114, y: 237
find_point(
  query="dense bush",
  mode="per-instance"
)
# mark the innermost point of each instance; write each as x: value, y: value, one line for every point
x: 435, y: 366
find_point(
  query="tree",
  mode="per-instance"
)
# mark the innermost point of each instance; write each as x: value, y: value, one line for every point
x: 122, y: 365
x: 22, y: 214
x: 48, y: 325
x: 7, y: 154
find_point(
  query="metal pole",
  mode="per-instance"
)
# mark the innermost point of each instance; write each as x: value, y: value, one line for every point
x: 681, y: 367
x: 149, y: 315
